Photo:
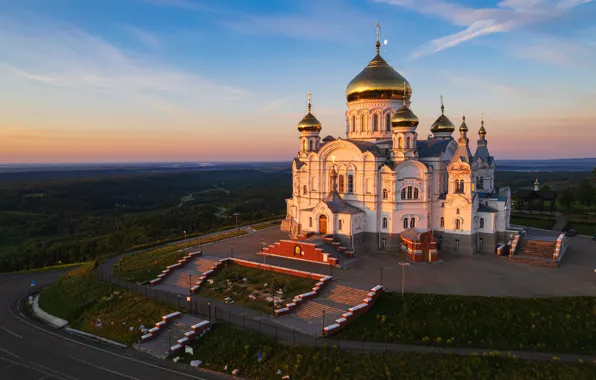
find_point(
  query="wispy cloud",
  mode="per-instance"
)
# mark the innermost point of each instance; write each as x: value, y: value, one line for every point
x: 193, y: 5
x: 558, y: 52
x: 507, y: 16
x: 274, y: 104
x: 54, y: 54
x: 145, y: 37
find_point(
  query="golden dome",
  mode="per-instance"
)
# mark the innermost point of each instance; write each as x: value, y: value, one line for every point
x: 442, y: 124
x: 482, y: 131
x: 378, y: 80
x: 404, y: 117
x: 309, y: 123
x: 463, y: 127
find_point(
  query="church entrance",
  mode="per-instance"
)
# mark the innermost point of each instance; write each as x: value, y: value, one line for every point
x: 323, y: 225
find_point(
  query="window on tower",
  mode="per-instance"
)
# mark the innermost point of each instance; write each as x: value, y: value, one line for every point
x: 458, y: 224
x: 399, y: 142
x: 375, y: 123
x: 310, y: 145
x: 416, y: 193
x: 353, y: 123
x: 340, y: 225
x: 409, y: 192
x: 405, y: 223
x: 412, y: 223
x: 310, y: 221
x: 408, y: 142
x: 363, y: 123
x: 442, y: 222
x: 304, y: 145
x: 481, y: 183
x: 403, y: 193
x: 350, y: 183
x: 388, y: 122
x: 385, y: 194
x: 341, y: 183
x: 481, y: 222
x: 457, y: 211
x: 385, y: 223
x: 304, y: 189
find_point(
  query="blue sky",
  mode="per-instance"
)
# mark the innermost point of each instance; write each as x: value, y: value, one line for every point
x: 135, y: 80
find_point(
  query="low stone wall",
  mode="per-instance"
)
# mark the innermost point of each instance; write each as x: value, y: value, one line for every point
x: 182, y: 262
x: 165, y: 320
x: 354, y: 312
x: 293, y: 249
x: 196, y: 332
x: 323, y: 279
x: 49, y: 319
x: 303, y: 297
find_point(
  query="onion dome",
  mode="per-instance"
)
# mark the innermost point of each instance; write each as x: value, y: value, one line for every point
x: 482, y: 131
x: 378, y: 80
x: 404, y: 117
x: 442, y: 124
x: 463, y: 127
x: 309, y: 123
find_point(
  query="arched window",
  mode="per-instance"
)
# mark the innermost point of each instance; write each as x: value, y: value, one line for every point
x: 350, y: 183
x: 408, y: 141
x: 388, y: 122
x: 341, y: 183
x: 385, y: 194
x: 481, y: 222
x: 375, y: 123
x: 456, y: 185
x: 310, y: 145
x: 353, y: 123
x: 405, y: 223
x: 409, y: 192
x: 304, y: 189
x: 416, y: 193
x: 461, y: 185
x: 412, y: 223
x: 403, y: 193
x: 363, y: 123
x: 481, y: 185
x: 304, y: 145
x: 478, y: 183
x: 399, y: 143
x: 385, y: 222
x: 310, y: 221
x: 428, y: 193
x: 340, y: 225
x: 457, y: 224
x: 457, y: 211
x: 442, y: 222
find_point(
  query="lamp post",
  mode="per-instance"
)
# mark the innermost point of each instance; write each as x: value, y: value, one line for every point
x: 403, y: 276
x: 381, y: 276
x: 232, y: 249
x: 184, y: 241
x: 323, y: 319
x: 190, y: 283
x: 236, y: 215
x: 178, y: 301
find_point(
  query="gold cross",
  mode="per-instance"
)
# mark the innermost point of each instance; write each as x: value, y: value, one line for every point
x: 378, y: 32
x: 333, y: 159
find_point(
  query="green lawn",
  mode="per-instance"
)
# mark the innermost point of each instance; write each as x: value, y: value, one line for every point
x: 557, y: 324
x: 145, y: 266
x: 81, y: 299
x: 228, y: 282
x: 236, y: 348
x: 528, y: 221
x: 583, y: 228
x: 264, y: 225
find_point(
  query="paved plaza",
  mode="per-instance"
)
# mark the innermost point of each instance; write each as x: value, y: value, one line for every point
x: 486, y: 275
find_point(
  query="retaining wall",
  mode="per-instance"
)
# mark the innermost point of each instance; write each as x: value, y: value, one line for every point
x: 354, y: 312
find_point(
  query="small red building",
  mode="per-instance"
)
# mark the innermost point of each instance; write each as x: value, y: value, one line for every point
x: 419, y: 246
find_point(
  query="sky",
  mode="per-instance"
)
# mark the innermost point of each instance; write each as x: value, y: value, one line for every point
x: 226, y: 80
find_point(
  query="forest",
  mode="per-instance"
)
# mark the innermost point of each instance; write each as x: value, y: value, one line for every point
x: 58, y: 219
x: 52, y: 218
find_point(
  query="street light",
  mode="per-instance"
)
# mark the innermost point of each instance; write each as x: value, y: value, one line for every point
x: 184, y: 241
x: 232, y: 249
x: 323, y: 319
x: 236, y: 215
x: 190, y: 283
x: 403, y: 276
x: 381, y: 276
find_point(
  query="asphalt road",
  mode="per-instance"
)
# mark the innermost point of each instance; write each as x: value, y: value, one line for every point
x: 30, y: 350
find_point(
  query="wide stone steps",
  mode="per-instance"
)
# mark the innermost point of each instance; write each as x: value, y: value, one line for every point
x: 537, y: 248
x: 346, y: 295
x: 312, y: 312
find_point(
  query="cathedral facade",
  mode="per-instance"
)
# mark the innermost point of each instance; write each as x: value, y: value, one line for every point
x: 381, y: 180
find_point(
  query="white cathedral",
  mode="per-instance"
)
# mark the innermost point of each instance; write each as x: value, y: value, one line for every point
x: 381, y: 180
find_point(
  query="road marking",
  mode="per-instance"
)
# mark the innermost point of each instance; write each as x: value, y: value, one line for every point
x: 62, y: 375
x: 24, y: 319
x: 12, y: 333
x: 105, y: 369
x: 33, y: 368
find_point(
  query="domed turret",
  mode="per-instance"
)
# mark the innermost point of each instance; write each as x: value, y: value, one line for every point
x: 404, y: 117
x: 442, y: 127
x: 378, y: 80
x: 309, y: 123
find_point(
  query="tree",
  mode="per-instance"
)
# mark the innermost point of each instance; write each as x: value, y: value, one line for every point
x: 585, y: 193
x: 594, y: 174
x: 545, y: 188
x: 566, y: 199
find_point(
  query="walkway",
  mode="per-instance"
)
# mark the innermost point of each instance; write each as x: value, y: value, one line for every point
x: 561, y: 221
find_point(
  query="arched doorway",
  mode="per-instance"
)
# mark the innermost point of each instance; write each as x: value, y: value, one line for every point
x: 323, y: 224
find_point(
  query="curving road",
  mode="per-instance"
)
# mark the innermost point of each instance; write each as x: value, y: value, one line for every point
x: 32, y: 351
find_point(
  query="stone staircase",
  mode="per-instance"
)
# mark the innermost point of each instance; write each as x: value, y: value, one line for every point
x: 537, y: 251
x: 536, y: 248
x: 168, y: 336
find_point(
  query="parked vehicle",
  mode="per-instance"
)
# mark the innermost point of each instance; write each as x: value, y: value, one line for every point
x: 570, y: 233
x: 594, y: 238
